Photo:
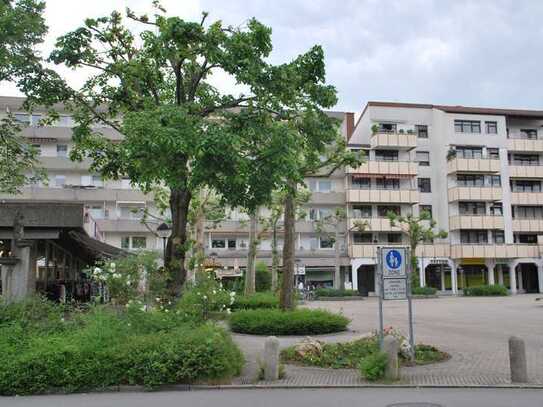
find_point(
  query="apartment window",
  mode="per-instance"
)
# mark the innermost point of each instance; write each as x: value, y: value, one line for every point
x: 361, y: 238
x: 496, y: 209
x: 491, y: 127
x: 386, y: 155
x: 495, y: 181
x: 62, y: 150
x: 231, y: 243
x: 130, y: 212
x: 361, y: 183
x: 218, y: 243
x: 424, y: 185
x: 60, y: 180
x: 64, y: 121
x: 493, y: 153
x: 469, y: 152
x: 320, y: 185
x: 423, y: 158
x: 473, y: 236
x: 472, y: 208
x: 524, y: 159
x: 326, y: 243
x: 394, y: 237
x: 97, y: 212
x: 467, y: 126
x: 387, y: 183
x: 139, y: 242
x: 525, y: 238
x: 383, y: 210
x: 421, y: 130
x: 387, y: 127
x: 125, y: 242
x: 526, y: 186
x: 97, y: 181
x: 319, y: 213
x: 530, y: 134
x: 37, y: 147
x: 470, y: 180
x: 426, y: 208
x: 528, y: 212
x: 362, y: 211
x: 125, y: 183
x: 23, y: 118
x: 498, y: 236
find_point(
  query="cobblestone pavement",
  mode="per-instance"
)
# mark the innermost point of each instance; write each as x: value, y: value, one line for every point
x: 474, y: 331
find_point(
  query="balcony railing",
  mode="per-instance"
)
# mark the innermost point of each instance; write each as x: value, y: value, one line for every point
x: 374, y: 167
x: 393, y: 140
x: 525, y: 144
x: 483, y: 165
x: 476, y: 222
x: 370, y: 250
x: 527, y: 225
x: 409, y: 196
x: 475, y: 193
x: 493, y: 251
x: 527, y: 198
x: 377, y: 224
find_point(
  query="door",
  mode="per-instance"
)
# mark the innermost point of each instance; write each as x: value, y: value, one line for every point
x: 366, y: 280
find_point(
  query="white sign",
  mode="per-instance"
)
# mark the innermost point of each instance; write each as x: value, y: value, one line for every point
x: 300, y: 271
x: 393, y: 261
x: 394, y: 289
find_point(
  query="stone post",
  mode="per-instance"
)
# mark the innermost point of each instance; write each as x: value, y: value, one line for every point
x: 391, y: 348
x: 517, y: 360
x: 271, y: 358
x: 500, y: 275
x: 513, y: 280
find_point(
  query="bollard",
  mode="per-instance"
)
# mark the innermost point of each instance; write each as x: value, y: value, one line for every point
x: 391, y: 347
x: 517, y: 360
x: 271, y: 358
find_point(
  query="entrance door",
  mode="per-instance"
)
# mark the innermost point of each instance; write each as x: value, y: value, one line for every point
x: 366, y: 280
x: 530, y: 280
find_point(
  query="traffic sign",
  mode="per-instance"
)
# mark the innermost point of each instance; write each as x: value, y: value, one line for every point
x: 393, y: 262
x: 395, y: 289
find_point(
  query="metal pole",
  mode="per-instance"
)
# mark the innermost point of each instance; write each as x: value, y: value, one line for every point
x: 380, y: 293
x: 410, y: 308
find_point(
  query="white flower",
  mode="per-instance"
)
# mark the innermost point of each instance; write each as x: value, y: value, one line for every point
x: 214, y: 291
x: 167, y: 310
x: 97, y: 270
x: 157, y: 299
x: 228, y: 311
x: 112, y: 265
x: 205, y: 297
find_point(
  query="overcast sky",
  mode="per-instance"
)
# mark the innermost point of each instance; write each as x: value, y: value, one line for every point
x: 475, y: 53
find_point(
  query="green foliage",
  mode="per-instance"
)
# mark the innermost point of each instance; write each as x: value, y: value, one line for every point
x: 425, y: 354
x: 262, y: 277
x: 486, y: 290
x: 373, y: 367
x: 105, y: 348
x: 256, y: 301
x: 278, y: 322
x: 333, y: 292
x: 34, y: 314
x: 423, y: 290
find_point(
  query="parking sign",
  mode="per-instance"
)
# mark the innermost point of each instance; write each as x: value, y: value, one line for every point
x: 393, y: 262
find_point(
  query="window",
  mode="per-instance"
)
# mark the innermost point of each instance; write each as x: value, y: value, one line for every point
x: 421, y: 130
x: 218, y: 243
x: 386, y: 155
x: 125, y: 242
x: 320, y: 185
x: 62, y: 150
x: 361, y: 211
x: 125, y: 183
x: 130, y: 212
x: 60, y: 180
x: 387, y: 127
x: 423, y: 158
x: 37, y: 147
x: 469, y: 152
x: 524, y: 159
x: 496, y: 209
x: 22, y: 118
x: 360, y: 238
x: 473, y: 236
x: 139, y: 242
x: 387, y: 183
x: 528, y: 212
x: 498, y: 237
x: 525, y: 238
x: 326, y: 243
x: 467, y: 126
x: 493, y: 153
x: 426, y: 208
x: 470, y: 180
x: 526, y: 186
x: 530, y: 134
x: 360, y: 183
x: 64, y: 121
x: 491, y: 127
x: 319, y: 213
x: 472, y: 208
x: 231, y: 243
x: 383, y: 210
x: 424, y: 185
x: 97, y: 212
x: 495, y: 180
x: 97, y: 181
x: 394, y: 237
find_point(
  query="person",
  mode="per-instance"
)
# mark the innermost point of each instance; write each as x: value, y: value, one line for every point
x: 301, y: 286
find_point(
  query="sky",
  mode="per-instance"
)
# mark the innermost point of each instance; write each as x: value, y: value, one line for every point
x: 471, y: 53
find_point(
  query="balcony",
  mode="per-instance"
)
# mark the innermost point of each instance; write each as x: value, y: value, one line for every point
x: 408, y: 196
x: 527, y: 198
x: 526, y: 171
x: 527, y: 145
x: 482, y: 165
x: 399, y: 168
x: 375, y: 224
x: 396, y: 141
x: 493, y: 251
x: 370, y: 250
x: 78, y: 195
x: 64, y: 163
x: 475, y: 222
x: 527, y: 225
x: 475, y: 194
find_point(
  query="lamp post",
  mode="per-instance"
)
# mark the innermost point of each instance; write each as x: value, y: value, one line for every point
x: 164, y: 231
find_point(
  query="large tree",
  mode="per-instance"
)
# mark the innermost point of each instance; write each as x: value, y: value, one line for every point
x: 178, y: 130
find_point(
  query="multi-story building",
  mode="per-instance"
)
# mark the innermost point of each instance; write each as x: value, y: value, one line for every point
x: 477, y: 170
x: 113, y: 208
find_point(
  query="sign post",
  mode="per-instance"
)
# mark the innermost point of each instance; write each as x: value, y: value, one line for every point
x: 394, y: 271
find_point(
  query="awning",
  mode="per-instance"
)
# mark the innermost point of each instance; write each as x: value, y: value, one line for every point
x: 386, y: 176
x: 96, y: 247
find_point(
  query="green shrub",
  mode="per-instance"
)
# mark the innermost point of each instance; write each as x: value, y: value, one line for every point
x: 373, y: 366
x: 256, y: 301
x: 486, y: 290
x: 278, y: 322
x: 423, y: 291
x: 262, y: 277
x: 334, y: 292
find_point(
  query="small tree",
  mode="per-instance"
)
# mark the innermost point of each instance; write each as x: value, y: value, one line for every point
x: 331, y: 227
x: 418, y: 230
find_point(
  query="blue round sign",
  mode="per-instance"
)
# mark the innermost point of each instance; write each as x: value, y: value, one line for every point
x: 394, y: 260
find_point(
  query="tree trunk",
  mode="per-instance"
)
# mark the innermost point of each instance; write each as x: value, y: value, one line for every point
x: 176, y: 249
x: 198, y: 250
x: 287, y: 286
x: 337, y: 270
x: 275, y: 258
x: 250, y: 273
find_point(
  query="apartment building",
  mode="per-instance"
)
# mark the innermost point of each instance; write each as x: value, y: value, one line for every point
x: 479, y: 171
x: 113, y: 209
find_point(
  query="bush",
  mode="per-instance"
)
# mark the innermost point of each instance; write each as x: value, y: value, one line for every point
x: 278, y: 322
x: 334, y: 292
x: 105, y: 348
x: 262, y: 277
x: 486, y: 290
x: 256, y: 301
x: 373, y: 366
x: 423, y: 291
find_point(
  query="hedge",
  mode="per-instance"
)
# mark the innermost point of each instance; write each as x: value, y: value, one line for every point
x: 278, y: 322
x: 256, y: 301
x: 486, y: 291
x: 423, y: 291
x: 334, y: 292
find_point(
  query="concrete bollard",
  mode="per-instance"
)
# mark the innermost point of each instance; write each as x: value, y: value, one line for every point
x: 517, y: 360
x: 391, y: 348
x: 271, y: 358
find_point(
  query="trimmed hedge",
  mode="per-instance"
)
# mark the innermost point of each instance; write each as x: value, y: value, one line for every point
x: 486, y: 291
x: 334, y: 292
x: 423, y: 291
x: 255, y: 301
x: 278, y: 322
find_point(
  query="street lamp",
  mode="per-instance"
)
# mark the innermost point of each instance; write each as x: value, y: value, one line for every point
x: 164, y: 231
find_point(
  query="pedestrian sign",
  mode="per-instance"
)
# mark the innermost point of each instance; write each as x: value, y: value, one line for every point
x: 393, y: 262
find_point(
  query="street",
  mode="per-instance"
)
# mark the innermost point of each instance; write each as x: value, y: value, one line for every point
x: 367, y: 397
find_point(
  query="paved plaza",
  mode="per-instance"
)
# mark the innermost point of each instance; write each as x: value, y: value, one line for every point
x: 473, y: 330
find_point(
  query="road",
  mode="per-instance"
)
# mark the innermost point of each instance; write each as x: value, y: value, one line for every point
x: 368, y: 397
